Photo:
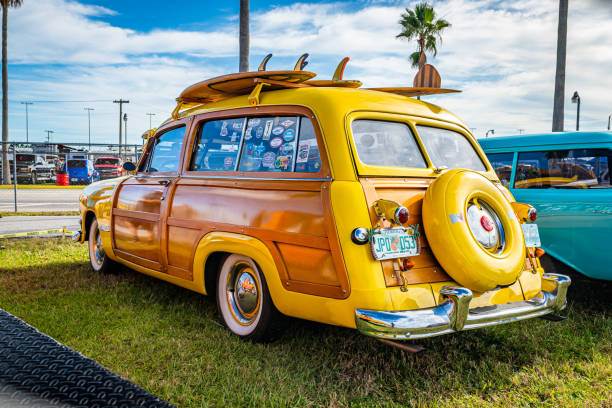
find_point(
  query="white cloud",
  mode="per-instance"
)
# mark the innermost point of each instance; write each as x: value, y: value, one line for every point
x: 501, y: 54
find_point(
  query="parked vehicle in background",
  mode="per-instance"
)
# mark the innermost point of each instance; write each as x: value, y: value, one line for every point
x: 81, y: 171
x: 566, y: 177
x: 108, y: 167
x: 32, y: 168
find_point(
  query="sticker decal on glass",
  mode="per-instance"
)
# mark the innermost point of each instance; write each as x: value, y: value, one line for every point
x: 268, y: 160
x: 289, y: 135
x: 302, y: 155
x: 268, y: 130
x: 277, y: 131
x: 276, y: 142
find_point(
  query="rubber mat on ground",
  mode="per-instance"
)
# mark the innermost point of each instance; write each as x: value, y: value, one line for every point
x: 36, y: 370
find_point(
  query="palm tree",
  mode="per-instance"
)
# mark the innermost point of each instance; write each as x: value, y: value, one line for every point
x: 559, y: 99
x: 244, y: 35
x: 421, y: 24
x: 6, y: 175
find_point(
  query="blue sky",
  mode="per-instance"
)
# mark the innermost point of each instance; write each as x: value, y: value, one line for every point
x: 501, y: 54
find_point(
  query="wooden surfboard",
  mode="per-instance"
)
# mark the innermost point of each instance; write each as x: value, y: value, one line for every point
x: 414, y: 91
x: 227, y: 86
x: 339, y: 83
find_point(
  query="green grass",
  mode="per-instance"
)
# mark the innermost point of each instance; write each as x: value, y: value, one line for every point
x: 168, y: 340
x: 31, y: 213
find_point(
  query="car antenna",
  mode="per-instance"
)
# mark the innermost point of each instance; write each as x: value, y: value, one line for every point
x: 262, y: 66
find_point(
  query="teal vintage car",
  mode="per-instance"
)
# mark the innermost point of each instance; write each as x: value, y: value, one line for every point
x: 566, y: 177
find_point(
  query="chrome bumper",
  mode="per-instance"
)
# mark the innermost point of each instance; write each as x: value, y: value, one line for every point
x: 454, y: 314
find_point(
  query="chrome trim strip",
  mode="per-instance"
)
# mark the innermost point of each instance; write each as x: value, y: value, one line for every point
x: 454, y: 314
x: 255, y: 178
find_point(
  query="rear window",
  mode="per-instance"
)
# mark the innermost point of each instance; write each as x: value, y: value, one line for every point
x: 76, y: 163
x: 106, y: 162
x: 448, y: 148
x: 383, y: 143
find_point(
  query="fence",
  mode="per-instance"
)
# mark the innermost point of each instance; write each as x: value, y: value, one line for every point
x: 64, y: 164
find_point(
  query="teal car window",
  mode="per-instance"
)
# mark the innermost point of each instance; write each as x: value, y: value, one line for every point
x: 217, y: 145
x: 502, y: 164
x: 567, y: 169
x: 270, y: 144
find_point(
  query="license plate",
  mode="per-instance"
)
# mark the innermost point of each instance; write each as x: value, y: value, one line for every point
x: 532, y: 235
x: 74, y: 179
x: 391, y: 243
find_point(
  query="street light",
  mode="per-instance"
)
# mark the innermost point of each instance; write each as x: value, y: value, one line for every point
x: 576, y: 100
x: 491, y: 131
x: 26, y: 106
x: 609, y: 118
x: 89, y: 125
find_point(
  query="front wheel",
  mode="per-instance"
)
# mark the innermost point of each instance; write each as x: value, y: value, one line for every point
x: 244, y: 301
x: 97, y: 257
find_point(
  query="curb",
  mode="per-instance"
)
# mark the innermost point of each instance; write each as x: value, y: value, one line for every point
x: 32, y: 234
x: 40, y: 187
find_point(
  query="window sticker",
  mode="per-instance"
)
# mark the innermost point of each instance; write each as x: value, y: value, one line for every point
x: 289, y: 135
x: 282, y: 162
x: 224, y: 129
x: 276, y: 142
x: 302, y: 155
x: 268, y: 160
x: 287, y: 122
x: 267, y: 130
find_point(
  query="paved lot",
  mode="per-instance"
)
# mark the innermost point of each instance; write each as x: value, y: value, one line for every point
x: 13, y: 225
x: 40, y: 200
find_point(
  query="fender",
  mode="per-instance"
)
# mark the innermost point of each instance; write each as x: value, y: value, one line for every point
x: 325, y: 310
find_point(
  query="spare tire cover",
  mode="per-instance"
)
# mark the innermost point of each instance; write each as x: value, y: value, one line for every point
x: 473, y: 231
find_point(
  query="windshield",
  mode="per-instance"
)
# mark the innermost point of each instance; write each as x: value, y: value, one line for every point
x: 111, y: 162
x: 76, y: 163
x: 381, y: 143
x: 448, y: 148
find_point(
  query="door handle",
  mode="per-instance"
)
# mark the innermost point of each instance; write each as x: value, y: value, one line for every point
x: 164, y: 182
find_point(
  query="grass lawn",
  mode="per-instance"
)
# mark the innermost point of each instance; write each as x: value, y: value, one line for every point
x: 167, y: 340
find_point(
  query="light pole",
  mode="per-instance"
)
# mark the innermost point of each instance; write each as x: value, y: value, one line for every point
x: 26, y: 106
x: 521, y: 131
x: 491, y: 131
x: 576, y: 100
x: 49, y: 132
x: 89, y: 125
x: 609, y: 118
x: 150, y: 115
x: 121, y: 101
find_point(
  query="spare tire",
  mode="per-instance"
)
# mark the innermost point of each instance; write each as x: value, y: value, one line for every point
x: 473, y: 231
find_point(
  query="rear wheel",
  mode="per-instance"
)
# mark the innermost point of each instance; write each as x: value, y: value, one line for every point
x: 97, y: 257
x: 244, y: 301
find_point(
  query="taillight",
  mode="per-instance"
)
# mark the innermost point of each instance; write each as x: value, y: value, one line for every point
x: 392, y: 211
x: 532, y: 214
x: 539, y: 252
x: 401, y: 215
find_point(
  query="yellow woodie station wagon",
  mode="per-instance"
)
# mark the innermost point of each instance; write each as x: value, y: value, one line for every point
x: 361, y: 208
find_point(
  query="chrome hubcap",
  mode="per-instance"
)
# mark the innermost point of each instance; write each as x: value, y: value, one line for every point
x: 486, y: 226
x: 242, y: 293
x: 98, y: 250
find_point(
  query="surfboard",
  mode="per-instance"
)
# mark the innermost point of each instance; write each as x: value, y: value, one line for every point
x: 415, y: 91
x: 227, y: 86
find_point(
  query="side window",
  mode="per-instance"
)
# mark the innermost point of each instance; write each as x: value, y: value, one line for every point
x: 581, y: 168
x: 502, y: 164
x: 269, y: 144
x: 165, y: 153
x: 217, y: 145
x: 308, y: 159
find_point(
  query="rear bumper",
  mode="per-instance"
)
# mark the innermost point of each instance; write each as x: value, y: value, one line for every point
x: 455, y: 315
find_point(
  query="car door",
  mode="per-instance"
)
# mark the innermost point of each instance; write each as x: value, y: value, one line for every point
x: 140, y: 203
